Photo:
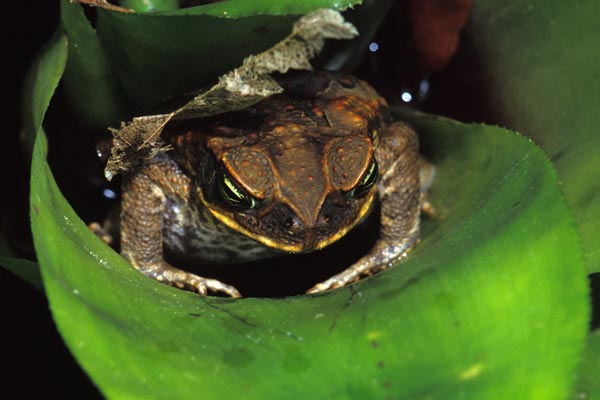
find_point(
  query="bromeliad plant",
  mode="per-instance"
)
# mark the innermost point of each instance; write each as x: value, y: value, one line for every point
x: 494, y: 301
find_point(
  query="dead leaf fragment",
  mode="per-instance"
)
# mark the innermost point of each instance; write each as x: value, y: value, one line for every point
x: 135, y: 142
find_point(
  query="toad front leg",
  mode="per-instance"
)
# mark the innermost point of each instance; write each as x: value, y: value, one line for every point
x: 142, y: 215
x: 400, y: 195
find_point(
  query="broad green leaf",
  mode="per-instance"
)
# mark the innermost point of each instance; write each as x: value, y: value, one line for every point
x: 150, y: 5
x: 243, y: 8
x: 588, y: 384
x: 161, y: 55
x: 491, y: 305
x: 539, y: 58
x: 238, y: 8
x: 41, y: 82
x: 25, y: 269
x: 90, y: 78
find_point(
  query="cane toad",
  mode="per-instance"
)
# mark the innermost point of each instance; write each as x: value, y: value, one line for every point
x: 293, y: 173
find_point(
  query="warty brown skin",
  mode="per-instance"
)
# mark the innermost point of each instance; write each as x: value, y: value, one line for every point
x: 300, y: 163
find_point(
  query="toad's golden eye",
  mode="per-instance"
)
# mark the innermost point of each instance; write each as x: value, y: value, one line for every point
x: 233, y: 194
x: 366, y: 182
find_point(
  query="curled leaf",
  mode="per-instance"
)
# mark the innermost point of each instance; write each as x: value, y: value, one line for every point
x: 240, y: 88
x: 135, y: 142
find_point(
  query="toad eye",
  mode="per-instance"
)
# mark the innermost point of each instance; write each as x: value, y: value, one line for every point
x: 366, y: 182
x: 233, y: 194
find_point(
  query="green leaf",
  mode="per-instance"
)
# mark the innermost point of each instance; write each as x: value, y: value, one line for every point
x: 243, y: 8
x: 540, y: 61
x: 491, y: 305
x: 90, y: 77
x: 25, y: 269
x: 150, y: 5
x: 161, y: 55
x: 588, y: 385
x: 40, y: 84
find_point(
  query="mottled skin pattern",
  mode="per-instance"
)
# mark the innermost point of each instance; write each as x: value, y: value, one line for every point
x: 293, y: 173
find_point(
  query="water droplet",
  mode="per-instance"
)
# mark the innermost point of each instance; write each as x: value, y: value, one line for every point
x: 109, y: 194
